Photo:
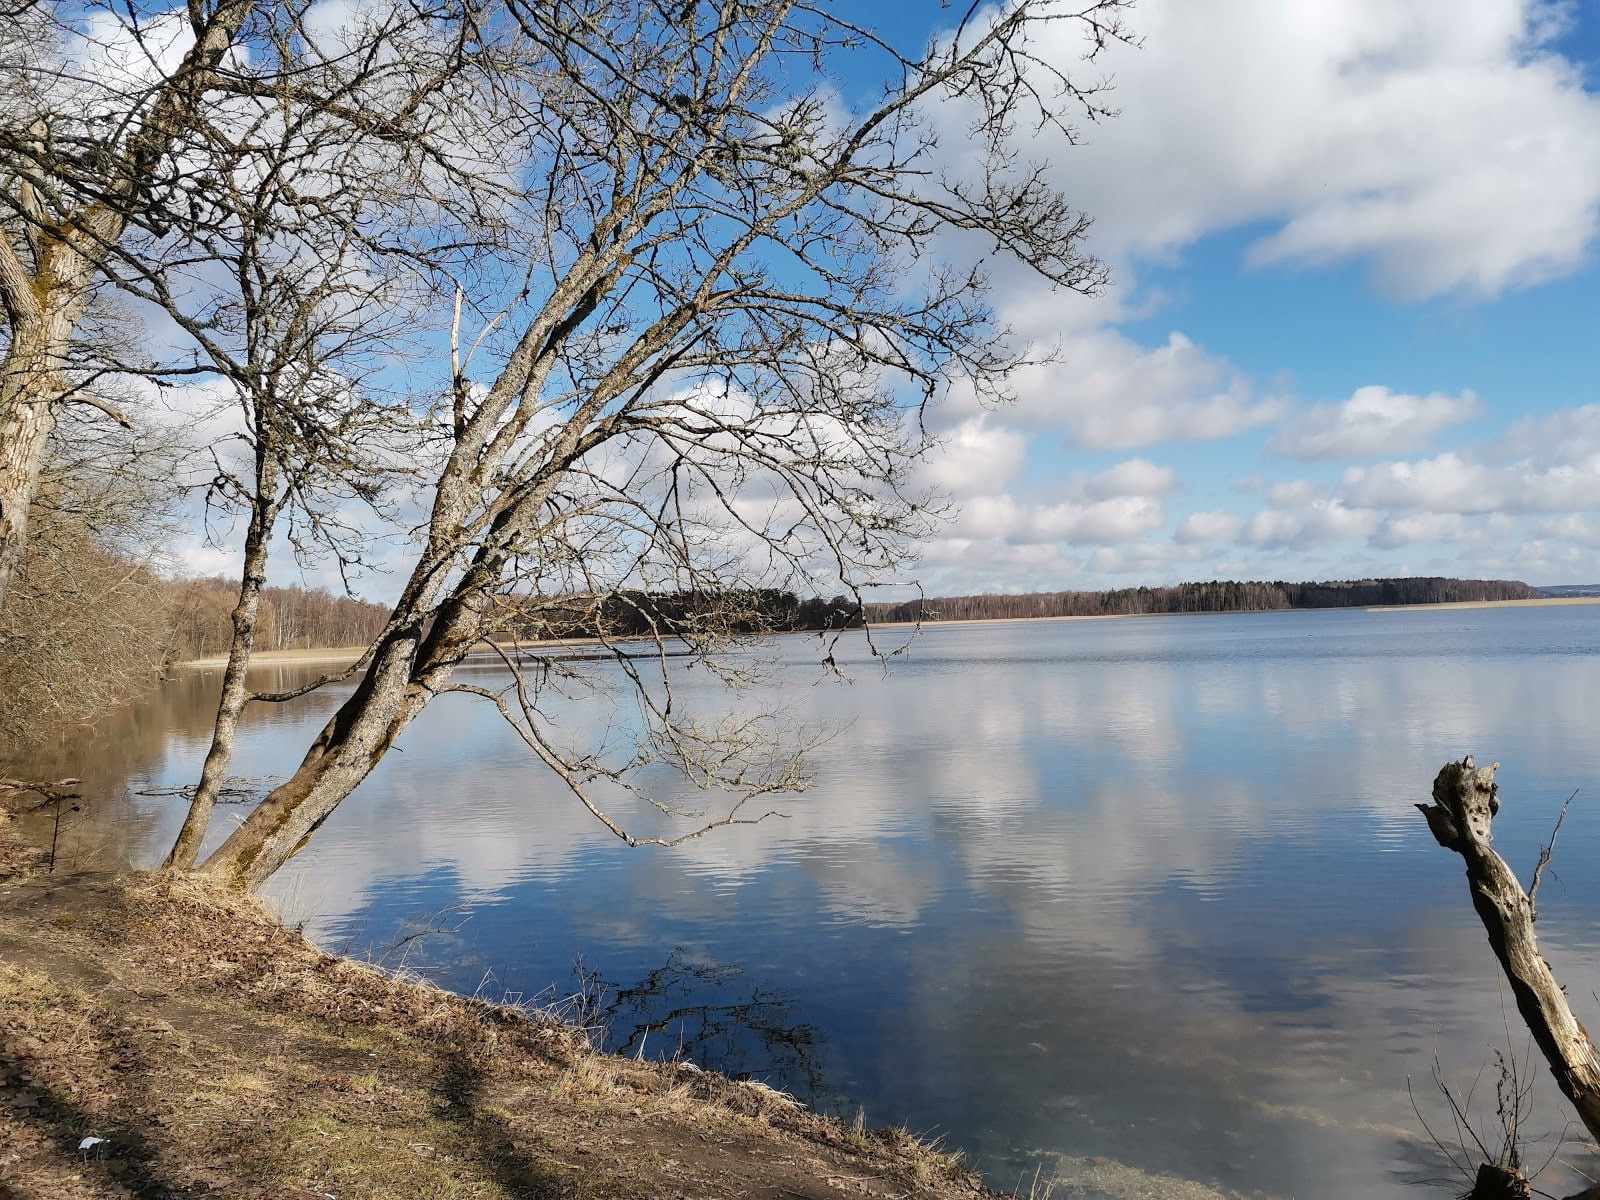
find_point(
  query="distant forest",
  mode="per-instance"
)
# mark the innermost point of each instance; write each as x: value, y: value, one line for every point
x: 1209, y: 596
x: 644, y: 614
x: 297, y: 617
x: 200, y: 618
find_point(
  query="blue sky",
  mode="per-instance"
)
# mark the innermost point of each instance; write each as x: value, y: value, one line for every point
x: 1355, y: 327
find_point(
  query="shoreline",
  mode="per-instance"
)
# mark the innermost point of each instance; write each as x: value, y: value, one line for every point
x: 1536, y: 602
x: 343, y: 656
x: 166, y: 1035
x: 330, y: 656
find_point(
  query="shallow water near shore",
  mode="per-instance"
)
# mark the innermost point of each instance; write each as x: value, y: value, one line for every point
x: 1094, y: 894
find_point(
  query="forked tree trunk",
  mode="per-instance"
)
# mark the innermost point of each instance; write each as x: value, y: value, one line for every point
x: 1465, y: 800
x: 406, y: 671
x: 352, y: 743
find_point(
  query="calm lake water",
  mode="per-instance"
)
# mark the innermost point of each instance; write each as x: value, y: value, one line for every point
x: 1150, y: 891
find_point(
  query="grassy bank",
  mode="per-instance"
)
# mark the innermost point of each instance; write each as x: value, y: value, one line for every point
x: 219, y: 1054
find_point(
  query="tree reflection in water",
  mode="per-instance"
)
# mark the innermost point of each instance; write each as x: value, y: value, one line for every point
x: 708, y: 1014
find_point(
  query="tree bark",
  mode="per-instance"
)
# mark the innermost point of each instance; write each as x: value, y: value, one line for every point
x: 31, y: 389
x: 235, y: 692
x: 43, y: 301
x: 1465, y: 801
x: 352, y: 743
x: 406, y: 672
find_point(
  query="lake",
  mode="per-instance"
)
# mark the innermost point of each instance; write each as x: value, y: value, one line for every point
x: 1137, y: 900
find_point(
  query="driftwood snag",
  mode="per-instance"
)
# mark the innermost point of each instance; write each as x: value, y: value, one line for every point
x: 1465, y: 801
x: 1495, y: 1182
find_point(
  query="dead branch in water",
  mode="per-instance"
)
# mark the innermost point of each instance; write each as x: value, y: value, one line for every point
x: 12, y: 791
x: 1466, y: 800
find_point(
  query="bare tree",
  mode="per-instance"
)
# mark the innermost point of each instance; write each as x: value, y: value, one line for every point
x: 228, y: 169
x: 299, y: 187
x: 91, y: 140
x: 720, y: 291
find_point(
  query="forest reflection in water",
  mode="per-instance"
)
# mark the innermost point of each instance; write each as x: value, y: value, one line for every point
x: 1150, y: 890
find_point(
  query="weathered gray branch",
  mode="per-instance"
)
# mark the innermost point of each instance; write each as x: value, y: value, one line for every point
x: 1465, y: 801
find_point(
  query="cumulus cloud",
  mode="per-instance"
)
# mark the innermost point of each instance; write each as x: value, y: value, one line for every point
x: 1295, y: 493
x: 1106, y: 391
x: 978, y: 456
x: 1420, y: 528
x: 1102, y: 523
x: 1451, y: 483
x: 1136, y: 477
x: 1568, y: 437
x: 1146, y: 559
x: 1319, y: 523
x: 1373, y: 421
x: 1404, y: 132
x: 1094, y: 523
x: 1209, y: 527
x: 1573, y: 528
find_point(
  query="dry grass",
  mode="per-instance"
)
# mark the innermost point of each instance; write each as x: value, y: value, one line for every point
x: 222, y: 1055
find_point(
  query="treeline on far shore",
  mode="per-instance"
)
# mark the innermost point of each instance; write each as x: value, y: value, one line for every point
x: 88, y: 630
x: 638, y: 613
x: 291, y: 618
x: 1208, y: 596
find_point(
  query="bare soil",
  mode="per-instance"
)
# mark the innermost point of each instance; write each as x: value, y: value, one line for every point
x: 218, y: 1054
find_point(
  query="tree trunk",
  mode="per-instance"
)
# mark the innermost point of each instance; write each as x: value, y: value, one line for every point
x: 31, y: 389
x: 235, y: 692
x: 406, y: 672
x: 349, y: 747
x: 1465, y: 801
x: 45, y: 301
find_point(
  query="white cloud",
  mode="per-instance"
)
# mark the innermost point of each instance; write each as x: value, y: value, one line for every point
x: 1097, y: 523
x: 1102, y: 523
x: 1108, y: 392
x: 1317, y: 524
x: 1446, y: 144
x: 958, y: 566
x: 1451, y: 483
x: 1573, y: 528
x: 1136, y: 477
x: 977, y: 457
x: 1295, y: 493
x: 1209, y: 527
x: 1419, y: 528
x: 1146, y: 559
x: 1373, y: 421
x: 1568, y: 437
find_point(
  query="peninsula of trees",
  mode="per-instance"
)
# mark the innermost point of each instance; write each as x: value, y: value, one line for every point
x: 1208, y: 596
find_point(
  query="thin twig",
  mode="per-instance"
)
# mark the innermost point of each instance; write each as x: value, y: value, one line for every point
x: 1544, y: 859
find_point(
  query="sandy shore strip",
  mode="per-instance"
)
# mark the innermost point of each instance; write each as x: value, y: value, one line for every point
x: 339, y: 657
x: 1541, y: 602
x: 333, y: 656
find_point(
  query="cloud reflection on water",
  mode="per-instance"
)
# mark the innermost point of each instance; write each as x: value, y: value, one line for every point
x: 1147, y: 888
